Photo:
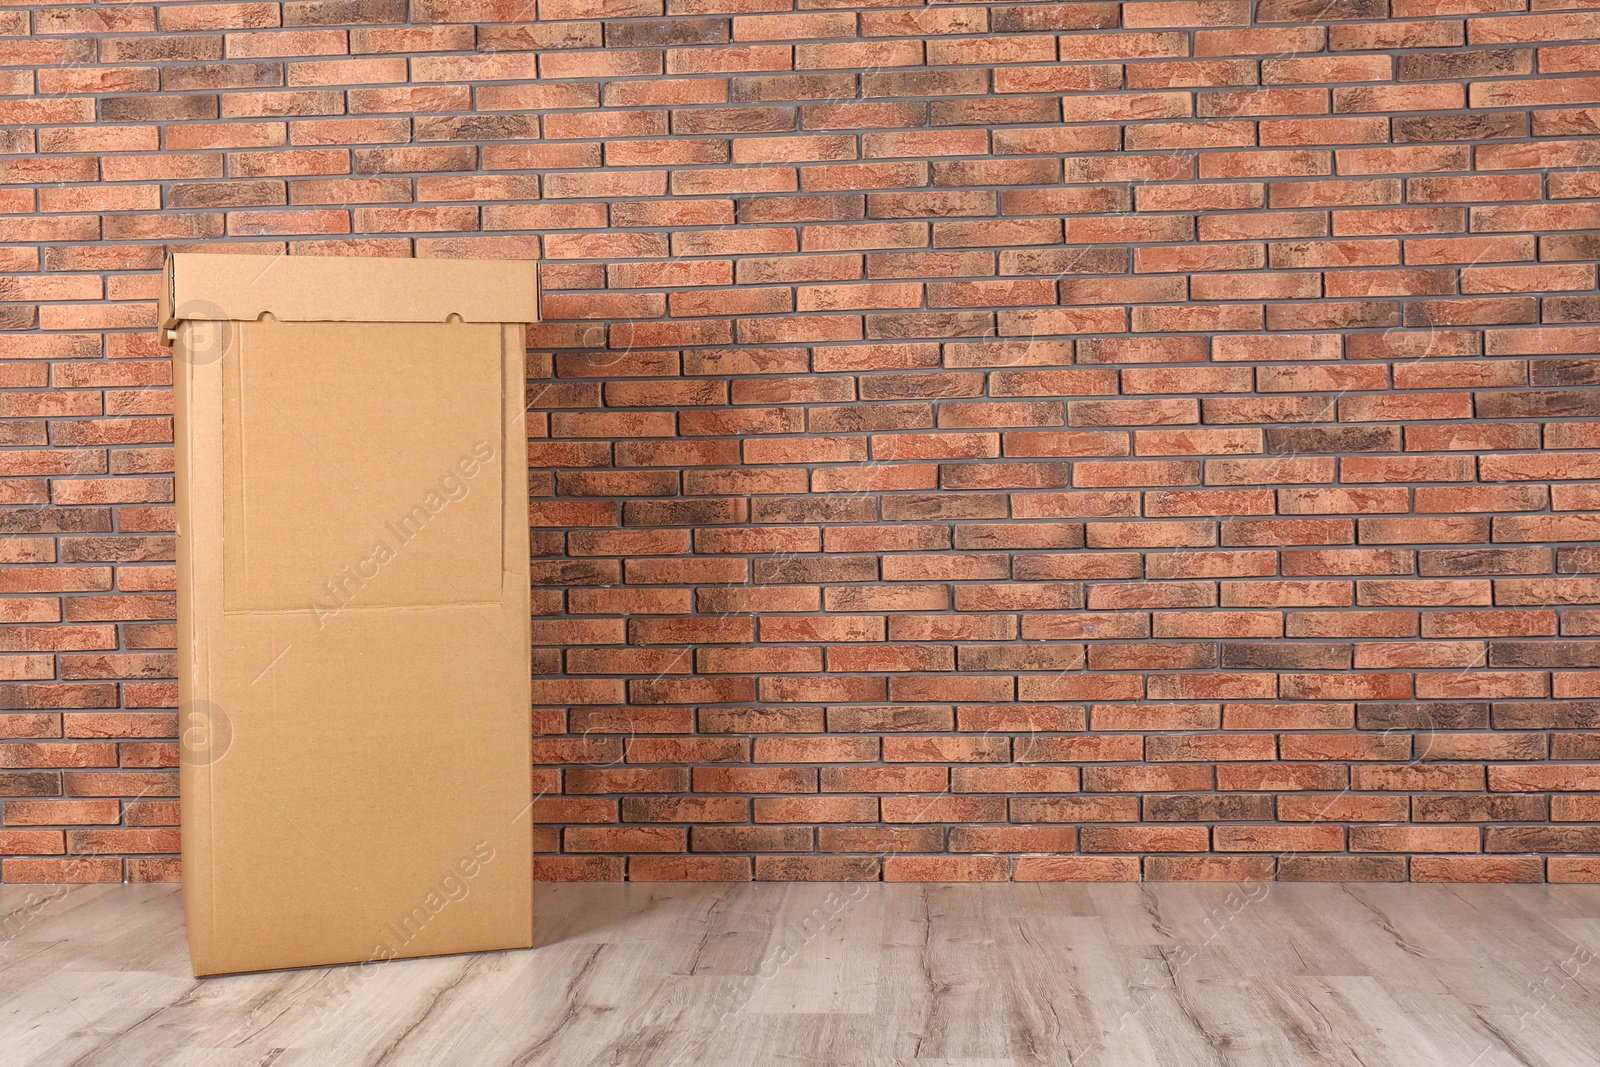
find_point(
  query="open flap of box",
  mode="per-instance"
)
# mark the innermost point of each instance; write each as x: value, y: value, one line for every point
x: 332, y: 289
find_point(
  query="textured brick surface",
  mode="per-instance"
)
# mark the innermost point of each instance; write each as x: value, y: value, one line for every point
x: 970, y: 441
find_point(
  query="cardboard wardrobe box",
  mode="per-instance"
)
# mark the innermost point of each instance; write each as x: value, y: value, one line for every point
x: 353, y: 619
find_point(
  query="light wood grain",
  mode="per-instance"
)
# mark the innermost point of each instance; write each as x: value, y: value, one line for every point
x: 685, y: 975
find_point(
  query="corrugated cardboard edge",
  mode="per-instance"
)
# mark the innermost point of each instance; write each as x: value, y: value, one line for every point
x: 215, y: 287
x: 193, y: 682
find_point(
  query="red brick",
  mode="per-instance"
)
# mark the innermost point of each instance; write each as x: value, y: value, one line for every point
x: 71, y: 870
x: 1477, y: 869
x: 1076, y: 869
x: 945, y: 869
x: 1344, y: 807
x: 1208, y: 869
x: 1279, y: 839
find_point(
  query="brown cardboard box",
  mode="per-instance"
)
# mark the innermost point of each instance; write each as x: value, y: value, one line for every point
x: 353, y: 617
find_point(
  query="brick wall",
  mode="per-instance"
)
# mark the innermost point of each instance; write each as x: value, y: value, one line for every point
x: 972, y: 441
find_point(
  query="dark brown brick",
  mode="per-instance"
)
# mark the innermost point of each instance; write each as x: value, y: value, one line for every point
x: 659, y: 33
x: 1285, y: 656
x: 1320, y: 10
x: 1342, y: 869
x: 1424, y: 715
x: 1491, y: 808
x: 1484, y: 126
x: 1542, y: 839
x: 1284, y: 440
x: 1197, y: 808
x: 1537, y: 403
x: 1469, y: 561
x: 344, y: 12
x: 157, y: 108
x: 1547, y: 715
x: 1475, y: 63
x: 179, y: 77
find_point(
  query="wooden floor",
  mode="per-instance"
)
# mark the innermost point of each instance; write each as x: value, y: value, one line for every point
x: 728, y: 975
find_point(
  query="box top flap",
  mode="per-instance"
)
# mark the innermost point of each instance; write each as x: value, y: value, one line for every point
x: 197, y: 285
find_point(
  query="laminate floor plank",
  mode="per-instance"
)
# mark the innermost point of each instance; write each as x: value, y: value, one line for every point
x: 853, y: 975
